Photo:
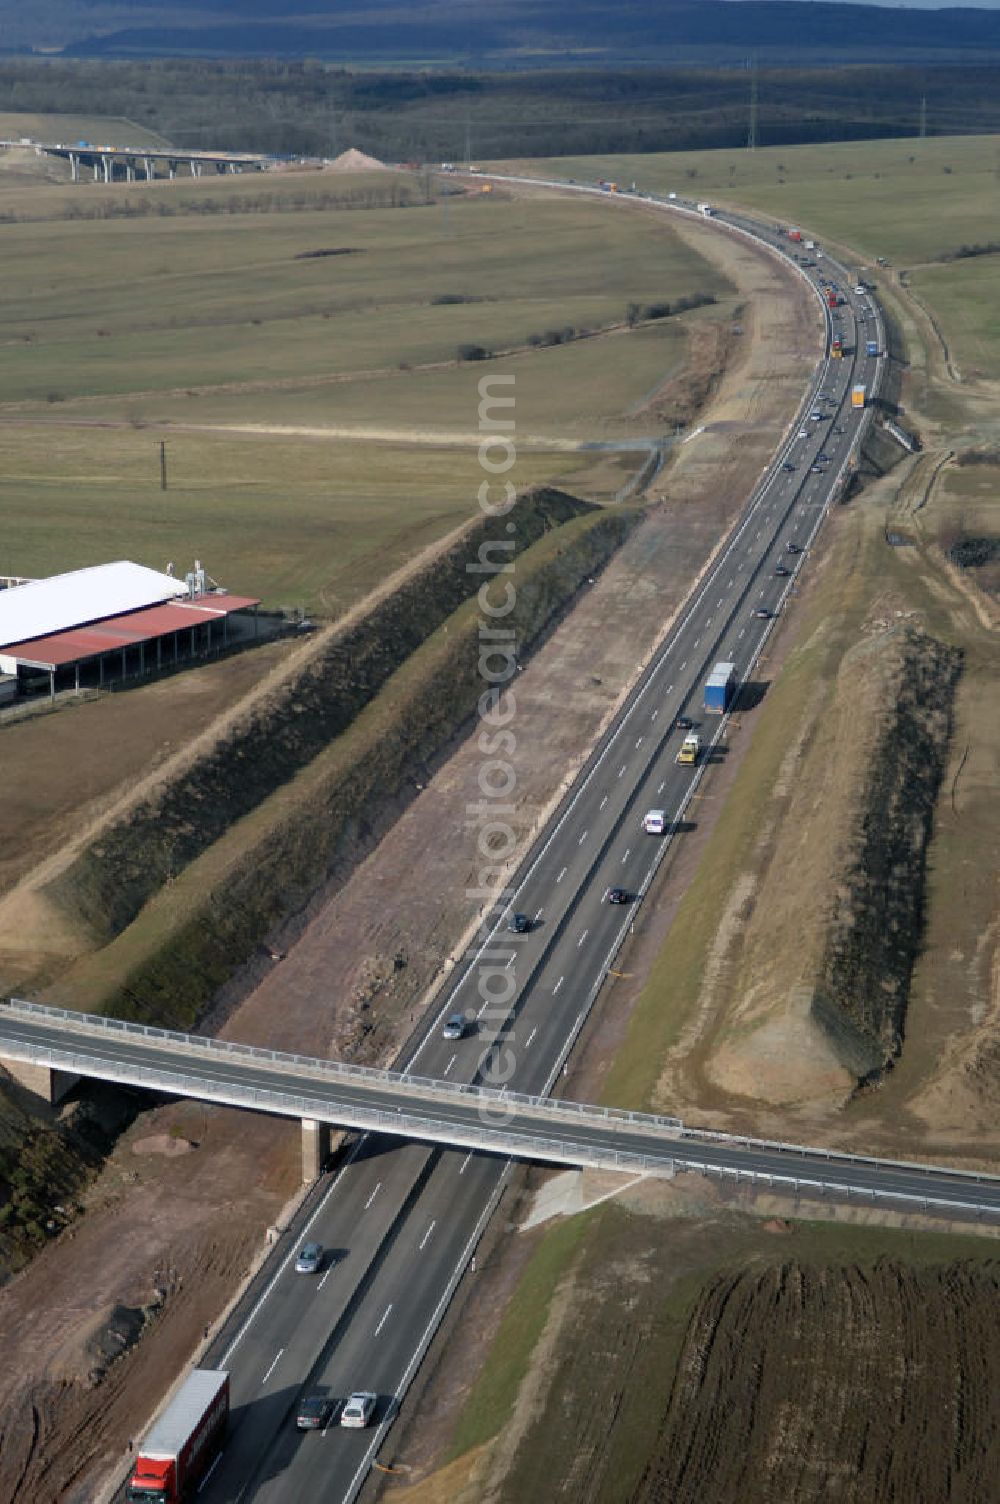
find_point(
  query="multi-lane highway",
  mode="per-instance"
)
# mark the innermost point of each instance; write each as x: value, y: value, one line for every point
x: 403, y: 1219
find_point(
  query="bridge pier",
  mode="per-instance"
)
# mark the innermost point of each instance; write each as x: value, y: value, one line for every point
x: 315, y: 1148
x: 97, y: 169
x: 108, y: 167
x: 41, y: 1080
x: 130, y: 169
x: 148, y: 161
x: 74, y: 166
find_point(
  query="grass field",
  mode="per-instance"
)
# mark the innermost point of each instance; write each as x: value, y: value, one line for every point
x: 911, y: 201
x: 294, y: 521
x: 100, y: 129
x: 205, y: 320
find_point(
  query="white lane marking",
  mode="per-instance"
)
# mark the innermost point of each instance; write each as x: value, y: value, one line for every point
x: 621, y: 772
x: 426, y: 1236
x: 625, y: 857
x: 693, y: 435
x: 669, y: 688
x: 465, y: 1163
x: 696, y: 641
x: 654, y: 715
x: 604, y: 801
x: 374, y: 1193
x: 743, y: 633
x: 509, y: 964
x: 561, y: 875
x: 293, y: 1251
x: 211, y: 1470
x: 721, y: 598
x: 684, y: 665
x: 540, y: 912
x: 325, y: 1278
x: 527, y: 1042
x: 385, y: 1318
x: 483, y: 1009
x: 708, y: 624
x: 582, y: 939
x: 558, y: 985
x: 582, y: 838
x: 274, y: 1364
x: 661, y: 787
x: 638, y: 743
x: 451, y: 1062
x: 728, y: 587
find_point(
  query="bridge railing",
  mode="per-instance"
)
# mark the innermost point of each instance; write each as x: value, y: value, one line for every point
x: 93, y: 1023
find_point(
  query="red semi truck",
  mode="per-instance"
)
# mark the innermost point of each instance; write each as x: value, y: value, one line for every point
x: 184, y: 1442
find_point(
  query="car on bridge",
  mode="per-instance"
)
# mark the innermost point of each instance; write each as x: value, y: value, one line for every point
x: 455, y: 1027
x: 519, y: 924
x: 619, y: 895
x: 781, y: 570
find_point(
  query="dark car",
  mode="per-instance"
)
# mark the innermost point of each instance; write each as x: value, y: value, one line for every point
x: 788, y: 466
x: 455, y: 1027
x: 519, y: 924
x: 618, y: 895
x: 792, y: 548
x: 781, y: 570
x: 684, y: 723
x: 815, y: 469
x: 824, y: 459
x: 314, y: 1412
x: 764, y: 612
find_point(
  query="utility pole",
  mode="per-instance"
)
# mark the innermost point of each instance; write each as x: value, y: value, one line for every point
x: 163, y: 465
x: 752, y: 133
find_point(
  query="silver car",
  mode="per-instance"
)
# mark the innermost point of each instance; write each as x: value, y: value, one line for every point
x: 358, y: 1409
x: 309, y: 1259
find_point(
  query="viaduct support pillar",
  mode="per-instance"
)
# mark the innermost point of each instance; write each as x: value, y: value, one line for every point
x: 74, y: 166
x: 315, y: 1148
x: 41, y: 1080
x: 149, y: 168
x: 107, y: 169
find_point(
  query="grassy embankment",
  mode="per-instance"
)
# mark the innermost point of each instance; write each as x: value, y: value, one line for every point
x: 912, y: 202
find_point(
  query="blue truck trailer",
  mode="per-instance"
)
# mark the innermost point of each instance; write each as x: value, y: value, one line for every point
x: 720, y: 686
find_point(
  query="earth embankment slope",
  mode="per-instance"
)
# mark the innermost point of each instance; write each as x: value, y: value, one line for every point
x: 827, y: 957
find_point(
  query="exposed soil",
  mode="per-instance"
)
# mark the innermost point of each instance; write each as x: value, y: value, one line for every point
x: 805, y: 1384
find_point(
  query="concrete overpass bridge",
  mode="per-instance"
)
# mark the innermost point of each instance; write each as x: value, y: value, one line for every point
x: 142, y: 161
x: 49, y: 1049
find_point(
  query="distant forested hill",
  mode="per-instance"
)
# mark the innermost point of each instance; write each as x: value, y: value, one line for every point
x: 525, y: 32
x: 316, y: 109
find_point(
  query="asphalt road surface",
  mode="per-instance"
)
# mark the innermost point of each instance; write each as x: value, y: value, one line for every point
x: 402, y: 1219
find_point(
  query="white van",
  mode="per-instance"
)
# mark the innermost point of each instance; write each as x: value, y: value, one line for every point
x: 655, y: 822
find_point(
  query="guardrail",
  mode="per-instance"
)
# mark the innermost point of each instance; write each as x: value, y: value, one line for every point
x: 95, y: 1024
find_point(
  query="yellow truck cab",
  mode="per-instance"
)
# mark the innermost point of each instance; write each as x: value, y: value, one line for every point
x: 690, y: 747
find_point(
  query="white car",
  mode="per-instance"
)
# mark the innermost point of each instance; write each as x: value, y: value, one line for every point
x: 655, y: 822
x: 358, y: 1409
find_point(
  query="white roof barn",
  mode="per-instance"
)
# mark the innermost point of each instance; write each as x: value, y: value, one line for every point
x: 84, y: 595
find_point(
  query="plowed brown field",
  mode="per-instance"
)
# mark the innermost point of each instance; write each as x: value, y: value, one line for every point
x: 805, y: 1384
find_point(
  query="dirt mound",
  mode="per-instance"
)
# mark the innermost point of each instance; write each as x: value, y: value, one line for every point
x: 167, y: 1144
x: 353, y: 160
x: 900, y: 1404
